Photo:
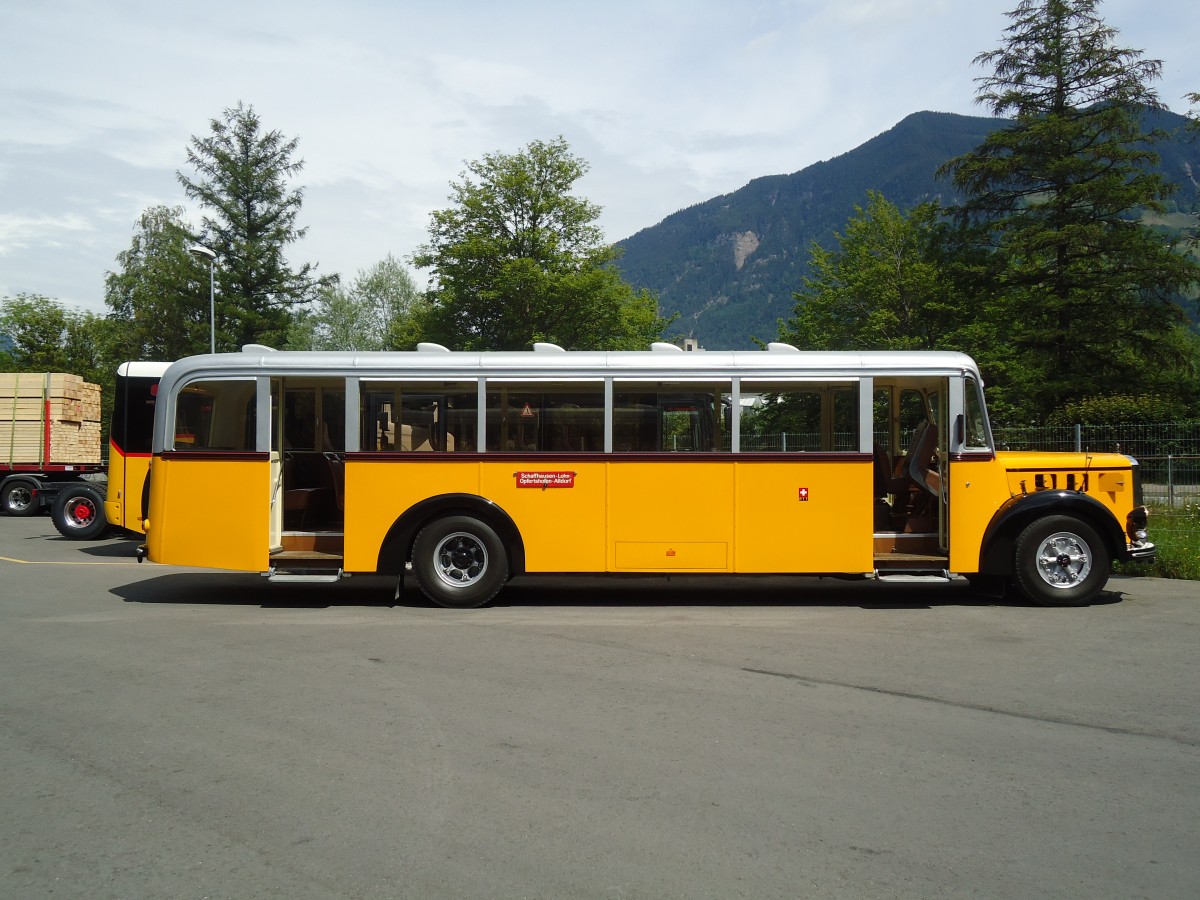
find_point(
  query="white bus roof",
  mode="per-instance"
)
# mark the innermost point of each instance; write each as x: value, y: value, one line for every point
x: 142, y: 369
x: 623, y: 364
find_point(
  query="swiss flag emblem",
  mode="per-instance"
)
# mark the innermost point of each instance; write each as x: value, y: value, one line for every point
x: 803, y: 494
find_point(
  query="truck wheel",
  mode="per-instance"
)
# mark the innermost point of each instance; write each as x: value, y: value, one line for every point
x: 459, y: 562
x: 18, y: 498
x: 1060, y: 561
x: 78, y: 514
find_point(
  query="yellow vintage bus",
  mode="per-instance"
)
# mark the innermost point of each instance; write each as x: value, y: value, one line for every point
x: 470, y: 468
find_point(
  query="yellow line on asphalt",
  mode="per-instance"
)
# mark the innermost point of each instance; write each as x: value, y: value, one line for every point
x: 54, y: 562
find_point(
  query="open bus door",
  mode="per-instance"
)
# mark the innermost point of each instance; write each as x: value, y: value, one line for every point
x: 308, y: 442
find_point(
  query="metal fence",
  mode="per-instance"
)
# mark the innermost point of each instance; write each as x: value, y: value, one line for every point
x: 1168, y: 453
x: 1159, y: 440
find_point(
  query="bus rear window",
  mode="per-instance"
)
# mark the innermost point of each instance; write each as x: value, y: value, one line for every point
x: 215, y: 415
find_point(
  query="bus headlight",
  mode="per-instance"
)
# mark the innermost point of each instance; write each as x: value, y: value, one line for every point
x: 1135, y: 525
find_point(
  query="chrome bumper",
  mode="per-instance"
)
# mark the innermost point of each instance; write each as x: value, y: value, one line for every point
x: 1139, y: 552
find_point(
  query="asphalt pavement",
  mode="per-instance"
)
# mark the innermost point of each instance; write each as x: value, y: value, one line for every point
x: 167, y: 732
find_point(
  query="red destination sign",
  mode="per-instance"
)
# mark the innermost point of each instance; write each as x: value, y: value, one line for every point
x: 545, y: 479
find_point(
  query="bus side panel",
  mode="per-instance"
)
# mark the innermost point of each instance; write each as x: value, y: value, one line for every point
x: 114, y: 498
x: 978, y: 487
x: 800, y: 516
x: 126, y: 475
x: 379, y: 491
x: 558, y: 506
x: 218, y: 513
x: 670, y: 516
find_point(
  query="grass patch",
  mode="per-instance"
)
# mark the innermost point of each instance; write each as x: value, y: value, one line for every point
x: 1176, y: 533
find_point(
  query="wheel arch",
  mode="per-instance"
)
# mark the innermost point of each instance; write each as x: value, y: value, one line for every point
x: 396, y: 549
x: 1000, y: 537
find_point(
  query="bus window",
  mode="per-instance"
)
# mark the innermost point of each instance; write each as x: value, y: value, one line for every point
x: 807, y: 417
x: 215, y: 415
x: 913, y: 413
x: 314, y: 418
x: 333, y: 420
x: 556, y: 418
x: 881, y: 424
x: 300, y: 419
x: 418, y: 416
x: 671, y: 418
x: 133, y: 413
x: 976, y: 437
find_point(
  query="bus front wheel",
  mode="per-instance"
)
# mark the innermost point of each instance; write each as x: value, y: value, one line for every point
x: 1060, y: 561
x: 459, y: 562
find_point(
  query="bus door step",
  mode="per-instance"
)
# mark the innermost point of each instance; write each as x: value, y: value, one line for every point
x: 305, y: 576
x: 918, y: 577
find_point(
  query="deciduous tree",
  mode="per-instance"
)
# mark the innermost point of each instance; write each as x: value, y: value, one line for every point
x: 49, y: 337
x: 381, y: 310
x: 518, y: 258
x: 160, y: 294
x: 886, y: 287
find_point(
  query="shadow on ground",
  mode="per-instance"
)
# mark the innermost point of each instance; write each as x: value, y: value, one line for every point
x: 207, y: 588
x: 115, y: 548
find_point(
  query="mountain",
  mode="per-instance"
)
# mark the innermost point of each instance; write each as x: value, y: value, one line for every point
x: 729, y: 265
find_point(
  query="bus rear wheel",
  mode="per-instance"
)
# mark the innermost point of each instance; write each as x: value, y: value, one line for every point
x: 78, y: 514
x: 1060, y: 561
x: 459, y: 562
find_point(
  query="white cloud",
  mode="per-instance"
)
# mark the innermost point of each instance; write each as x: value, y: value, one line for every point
x: 670, y: 101
x: 23, y: 232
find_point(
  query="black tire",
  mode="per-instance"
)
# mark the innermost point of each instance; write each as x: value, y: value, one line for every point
x: 459, y: 562
x: 1060, y: 561
x: 78, y: 514
x: 18, y: 498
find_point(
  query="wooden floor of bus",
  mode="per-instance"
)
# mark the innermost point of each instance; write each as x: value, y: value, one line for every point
x: 310, y: 546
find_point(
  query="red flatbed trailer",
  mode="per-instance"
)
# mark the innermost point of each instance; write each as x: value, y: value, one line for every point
x: 49, y: 438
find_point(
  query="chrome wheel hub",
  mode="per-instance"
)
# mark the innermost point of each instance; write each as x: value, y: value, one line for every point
x: 1064, y: 560
x: 460, y: 559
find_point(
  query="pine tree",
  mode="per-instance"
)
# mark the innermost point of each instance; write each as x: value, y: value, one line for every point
x: 250, y: 219
x: 1086, y: 291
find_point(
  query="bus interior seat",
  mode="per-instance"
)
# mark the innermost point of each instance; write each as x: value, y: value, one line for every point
x: 298, y: 501
x: 885, y: 482
x: 919, y: 483
x: 920, y: 454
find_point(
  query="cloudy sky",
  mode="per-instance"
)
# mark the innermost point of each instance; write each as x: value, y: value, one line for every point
x: 671, y: 102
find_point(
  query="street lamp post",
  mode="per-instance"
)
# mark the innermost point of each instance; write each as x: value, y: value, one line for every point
x: 202, y: 252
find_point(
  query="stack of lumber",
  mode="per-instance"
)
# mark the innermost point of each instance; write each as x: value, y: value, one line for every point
x: 73, y: 413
